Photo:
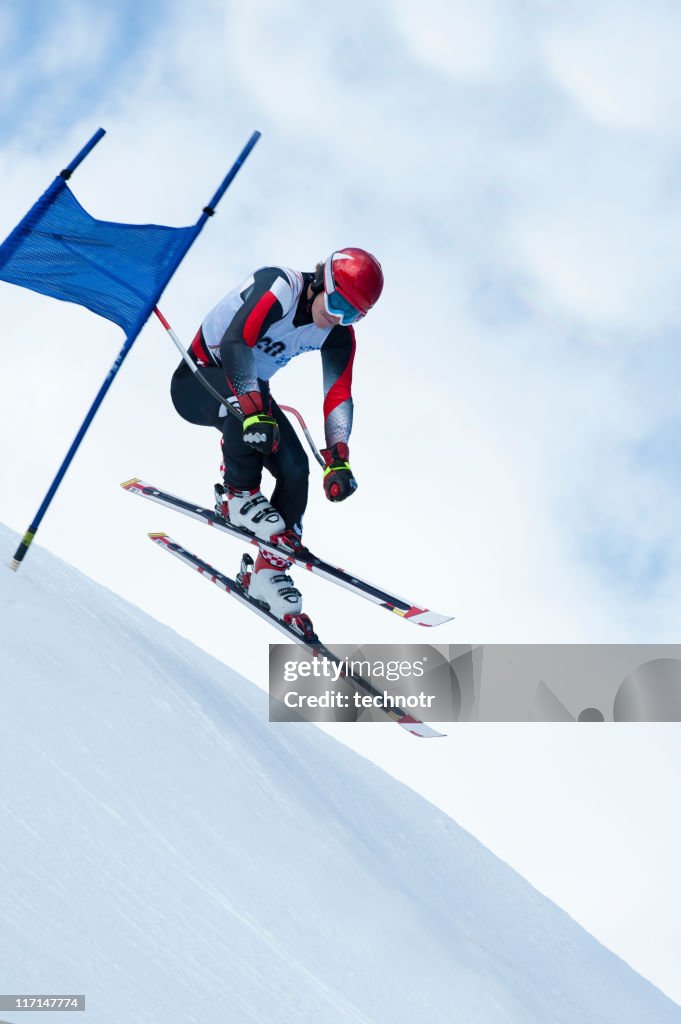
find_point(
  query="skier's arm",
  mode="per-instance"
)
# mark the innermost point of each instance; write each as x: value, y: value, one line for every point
x: 266, y: 299
x: 338, y: 353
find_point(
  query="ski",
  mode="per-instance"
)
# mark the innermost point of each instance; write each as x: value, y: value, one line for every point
x: 412, y: 613
x: 306, y: 636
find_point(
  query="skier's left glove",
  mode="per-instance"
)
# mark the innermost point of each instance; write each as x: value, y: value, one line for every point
x: 339, y: 483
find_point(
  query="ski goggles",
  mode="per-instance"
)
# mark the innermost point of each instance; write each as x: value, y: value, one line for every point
x: 336, y: 305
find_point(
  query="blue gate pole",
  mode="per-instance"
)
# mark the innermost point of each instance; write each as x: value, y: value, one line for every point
x: 207, y: 212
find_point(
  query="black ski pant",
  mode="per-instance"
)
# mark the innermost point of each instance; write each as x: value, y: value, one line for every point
x: 243, y: 465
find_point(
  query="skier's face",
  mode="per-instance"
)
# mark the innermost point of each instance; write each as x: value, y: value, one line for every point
x: 320, y: 317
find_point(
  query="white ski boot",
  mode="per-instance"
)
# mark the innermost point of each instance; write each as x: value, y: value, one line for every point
x: 250, y: 510
x: 271, y: 585
x: 268, y: 583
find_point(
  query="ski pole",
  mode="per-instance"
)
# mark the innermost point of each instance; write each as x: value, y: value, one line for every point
x: 196, y: 370
x: 308, y: 435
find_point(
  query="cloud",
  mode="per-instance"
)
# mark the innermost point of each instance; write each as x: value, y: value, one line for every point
x: 620, y: 64
x: 64, y: 61
x: 472, y: 45
x: 607, y: 264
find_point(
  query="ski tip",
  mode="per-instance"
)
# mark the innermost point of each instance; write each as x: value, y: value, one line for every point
x: 434, y: 619
x: 158, y: 536
x: 130, y: 483
x: 421, y: 729
x: 423, y: 616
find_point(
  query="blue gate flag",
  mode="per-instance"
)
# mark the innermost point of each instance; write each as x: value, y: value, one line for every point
x: 115, y: 270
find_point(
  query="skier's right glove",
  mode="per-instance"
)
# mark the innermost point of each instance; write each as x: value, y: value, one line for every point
x: 261, y: 432
x: 339, y: 483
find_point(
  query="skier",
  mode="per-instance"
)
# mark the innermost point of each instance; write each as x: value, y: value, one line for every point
x: 257, y: 328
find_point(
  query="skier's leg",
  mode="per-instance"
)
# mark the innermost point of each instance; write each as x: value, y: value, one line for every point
x: 242, y: 501
x: 242, y: 464
x: 291, y: 470
x: 190, y: 398
x: 270, y: 581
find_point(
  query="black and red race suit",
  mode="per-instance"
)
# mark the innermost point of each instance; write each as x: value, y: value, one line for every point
x: 253, y: 332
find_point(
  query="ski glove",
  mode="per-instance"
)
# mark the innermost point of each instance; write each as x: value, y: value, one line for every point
x: 261, y: 432
x: 339, y: 483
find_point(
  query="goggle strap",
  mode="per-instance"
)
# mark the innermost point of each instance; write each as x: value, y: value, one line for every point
x: 329, y: 286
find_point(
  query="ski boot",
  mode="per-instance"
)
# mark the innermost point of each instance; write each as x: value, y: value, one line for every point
x: 249, y: 510
x: 267, y: 582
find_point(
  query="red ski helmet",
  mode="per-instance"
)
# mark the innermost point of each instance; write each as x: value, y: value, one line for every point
x: 353, y: 282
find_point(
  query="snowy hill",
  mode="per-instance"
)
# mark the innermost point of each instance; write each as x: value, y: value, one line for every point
x: 176, y: 858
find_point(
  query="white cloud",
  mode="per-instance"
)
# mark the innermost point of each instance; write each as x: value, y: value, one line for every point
x: 620, y: 63
x: 70, y: 46
x: 458, y: 40
x: 614, y: 271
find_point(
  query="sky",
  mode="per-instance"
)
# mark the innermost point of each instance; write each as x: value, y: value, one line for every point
x: 515, y: 168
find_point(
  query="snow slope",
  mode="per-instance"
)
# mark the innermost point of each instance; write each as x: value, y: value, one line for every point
x: 172, y: 855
